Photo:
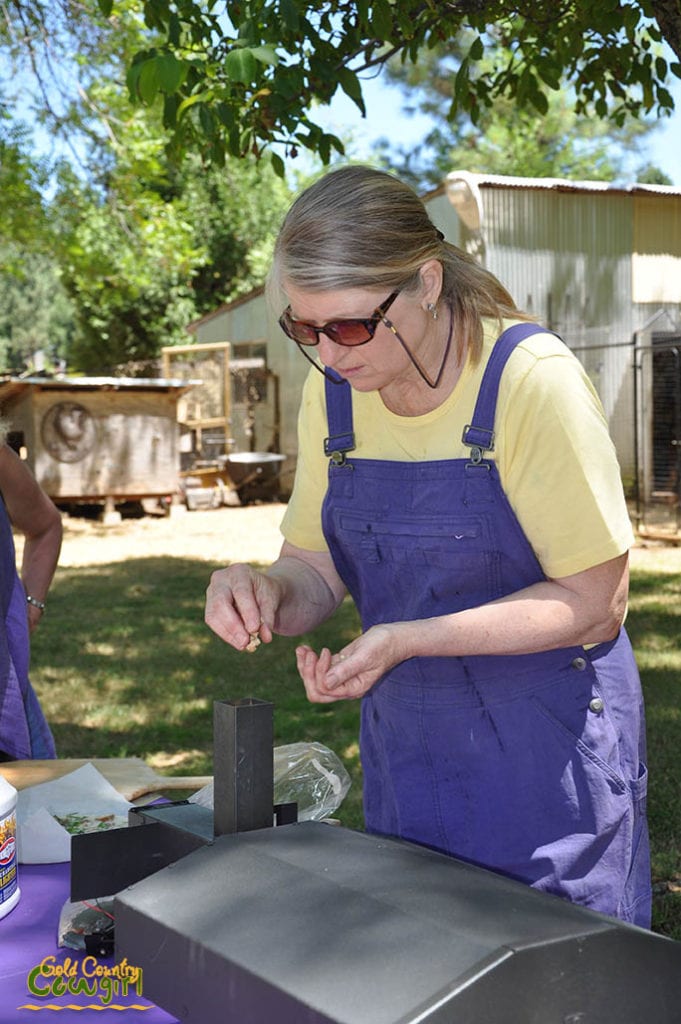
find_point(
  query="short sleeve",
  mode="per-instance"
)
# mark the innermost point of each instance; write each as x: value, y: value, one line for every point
x: 302, y: 521
x: 557, y: 462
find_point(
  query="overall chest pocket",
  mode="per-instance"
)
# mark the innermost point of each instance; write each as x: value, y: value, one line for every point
x: 446, y: 563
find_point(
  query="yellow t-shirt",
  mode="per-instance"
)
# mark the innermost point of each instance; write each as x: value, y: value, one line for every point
x: 556, y: 461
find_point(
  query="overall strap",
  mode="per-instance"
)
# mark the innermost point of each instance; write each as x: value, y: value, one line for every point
x: 341, y: 439
x: 479, y: 435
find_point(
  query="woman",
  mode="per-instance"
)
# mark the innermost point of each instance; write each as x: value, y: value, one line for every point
x: 455, y: 475
x: 24, y: 733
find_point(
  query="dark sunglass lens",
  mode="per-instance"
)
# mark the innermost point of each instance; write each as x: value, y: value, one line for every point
x: 349, y: 332
x: 301, y: 332
x: 304, y: 334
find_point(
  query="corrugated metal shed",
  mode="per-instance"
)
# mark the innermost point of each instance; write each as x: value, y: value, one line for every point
x: 598, y: 263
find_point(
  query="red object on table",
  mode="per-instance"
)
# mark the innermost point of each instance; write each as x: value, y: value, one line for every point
x: 36, y: 974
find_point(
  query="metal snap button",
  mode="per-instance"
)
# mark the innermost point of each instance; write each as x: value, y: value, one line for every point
x: 579, y: 664
x: 596, y: 705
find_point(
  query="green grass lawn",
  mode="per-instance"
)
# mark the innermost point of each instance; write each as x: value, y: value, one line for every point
x: 124, y: 666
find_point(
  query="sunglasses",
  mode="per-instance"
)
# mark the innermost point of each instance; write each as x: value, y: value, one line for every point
x: 349, y: 332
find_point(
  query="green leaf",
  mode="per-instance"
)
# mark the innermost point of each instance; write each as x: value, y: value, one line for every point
x: 207, y: 121
x: 278, y: 165
x: 665, y: 99
x: 241, y: 65
x: 461, y: 80
x: 105, y: 7
x: 381, y: 21
x: 539, y: 102
x: 351, y: 86
x: 549, y: 74
x: 233, y: 140
x: 324, y: 149
x: 405, y: 21
x: 170, y: 106
x: 336, y: 143
x: 225, y: 114
x: 174, y: 30
x: 476, y: 50
x: 265, y: 54
x: 153, y: 14
x: 171, y: 72
x: 199, y: 97
x: 132, y: 80
x: 289, y: 13
x: 148, y: 83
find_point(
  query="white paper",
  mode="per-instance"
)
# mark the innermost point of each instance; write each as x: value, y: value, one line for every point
x: 41, y: 839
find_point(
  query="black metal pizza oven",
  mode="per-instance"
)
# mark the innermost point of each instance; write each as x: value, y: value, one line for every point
x: 312, y: 923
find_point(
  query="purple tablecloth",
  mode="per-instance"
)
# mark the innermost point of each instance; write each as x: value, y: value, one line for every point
x: 28, y: 937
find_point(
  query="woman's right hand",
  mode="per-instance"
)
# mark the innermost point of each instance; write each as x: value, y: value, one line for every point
x: 242, y: 603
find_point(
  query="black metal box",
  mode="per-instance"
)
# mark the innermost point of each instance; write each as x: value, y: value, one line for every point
x: 315, y: 924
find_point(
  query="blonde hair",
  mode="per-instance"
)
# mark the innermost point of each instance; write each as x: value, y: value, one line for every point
x: 358, y: 227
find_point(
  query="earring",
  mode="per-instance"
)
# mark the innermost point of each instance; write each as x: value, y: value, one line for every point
x: 432, y: 309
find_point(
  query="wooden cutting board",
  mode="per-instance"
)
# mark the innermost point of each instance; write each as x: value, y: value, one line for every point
x: 131, y: 776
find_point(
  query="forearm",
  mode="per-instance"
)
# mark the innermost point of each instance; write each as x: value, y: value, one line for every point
x: 307, y: 598
x: 540, y: 618
x: 39, y: 561
x: 34, y: 515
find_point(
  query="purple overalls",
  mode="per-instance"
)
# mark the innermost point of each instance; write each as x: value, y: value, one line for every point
x: 24, y: 732
x: 531, y: 765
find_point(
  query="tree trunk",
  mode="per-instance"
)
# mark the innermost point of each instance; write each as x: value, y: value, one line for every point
x: 668, y: 17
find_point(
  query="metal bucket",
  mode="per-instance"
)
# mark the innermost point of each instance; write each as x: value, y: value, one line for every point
x: 255, y: 475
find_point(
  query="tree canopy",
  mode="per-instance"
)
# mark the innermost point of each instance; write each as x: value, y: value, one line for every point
x: 507, y: 139
x: 135, y: 246
x: 238, y: 76
x: 163, y: 209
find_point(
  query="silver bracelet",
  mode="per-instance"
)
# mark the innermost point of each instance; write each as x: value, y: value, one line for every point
x: 35, y: 602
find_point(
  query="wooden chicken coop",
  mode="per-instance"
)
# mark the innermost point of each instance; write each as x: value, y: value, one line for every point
x: 94, y: 440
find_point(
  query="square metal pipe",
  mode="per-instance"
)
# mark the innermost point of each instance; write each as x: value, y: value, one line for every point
x: 243, y: 738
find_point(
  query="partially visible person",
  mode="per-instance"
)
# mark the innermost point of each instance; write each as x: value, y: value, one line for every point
x: 24, y: 732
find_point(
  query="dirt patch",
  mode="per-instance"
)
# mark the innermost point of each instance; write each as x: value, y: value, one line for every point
x: 248, y: 533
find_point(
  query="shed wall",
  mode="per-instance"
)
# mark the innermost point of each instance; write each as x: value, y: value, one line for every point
x: 248, y: 322
x: 130, y: 448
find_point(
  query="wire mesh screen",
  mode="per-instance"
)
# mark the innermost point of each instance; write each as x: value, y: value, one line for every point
x: 207, y: 367
x: 659, y: 436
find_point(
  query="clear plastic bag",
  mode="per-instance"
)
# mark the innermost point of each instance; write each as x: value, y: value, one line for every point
x: 87, y: 925
x: 308, y: 774
x: 312, y: 776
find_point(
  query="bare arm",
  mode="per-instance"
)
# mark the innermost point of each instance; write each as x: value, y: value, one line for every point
x: 582, y: 609
x: 311, y: 589
x: 586, y: 608
x: 34, y: 514
x: 298, y: 592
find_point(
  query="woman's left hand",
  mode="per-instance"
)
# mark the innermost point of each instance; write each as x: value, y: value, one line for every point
x: 354, y: 670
